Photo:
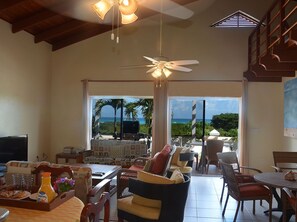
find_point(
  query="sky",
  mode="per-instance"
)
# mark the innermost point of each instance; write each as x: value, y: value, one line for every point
x: 181, y: 107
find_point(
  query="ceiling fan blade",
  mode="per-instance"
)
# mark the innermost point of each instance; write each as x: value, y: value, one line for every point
x: 151, y: 70
x: 150, y: 59
x: 169, y: 8
x: 178, y: 68
x: 184, y: 62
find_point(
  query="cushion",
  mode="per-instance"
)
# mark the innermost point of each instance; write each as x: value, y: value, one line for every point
x: 126, y: 204
x: 150, y: 178
x: 160, y: 160
x: 177, y: 176
x: 175, y: 156
x: 153, y: 178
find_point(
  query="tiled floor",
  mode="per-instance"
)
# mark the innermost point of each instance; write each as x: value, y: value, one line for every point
x: 203, y: 204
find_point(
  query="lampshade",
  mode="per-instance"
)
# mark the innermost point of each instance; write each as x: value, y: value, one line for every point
x: 127, y: 19
x: 102, y: 7
x: 127, y: 7
x: 157, y: 73
x: 167, y: 72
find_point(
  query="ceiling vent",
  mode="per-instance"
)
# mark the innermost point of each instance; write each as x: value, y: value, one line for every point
x: 237, y: 19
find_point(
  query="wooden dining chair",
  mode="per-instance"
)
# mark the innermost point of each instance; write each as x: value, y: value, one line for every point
x: 289, y: 204
x: 231, y: 158
x: 244, y: 191
x: 284, y: 161
x: 91, y: 211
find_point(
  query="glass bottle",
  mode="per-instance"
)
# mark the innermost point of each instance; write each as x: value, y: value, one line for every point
x: 46, y: 192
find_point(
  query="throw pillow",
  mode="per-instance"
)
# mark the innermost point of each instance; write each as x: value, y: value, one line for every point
x: 177, y: 176
x: 160, y: 160
x: 175, y: 156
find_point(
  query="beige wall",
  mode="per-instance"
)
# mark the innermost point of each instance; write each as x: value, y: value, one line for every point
x: 24, y: 89
x: 222, y: 54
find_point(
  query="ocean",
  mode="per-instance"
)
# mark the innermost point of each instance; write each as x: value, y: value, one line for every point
x: 142, y: 121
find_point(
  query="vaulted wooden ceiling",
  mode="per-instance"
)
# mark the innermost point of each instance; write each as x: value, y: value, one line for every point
x: 42, y: 18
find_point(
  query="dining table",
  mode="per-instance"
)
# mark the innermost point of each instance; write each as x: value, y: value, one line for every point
x: 276, y: 180
x: 69, y: 211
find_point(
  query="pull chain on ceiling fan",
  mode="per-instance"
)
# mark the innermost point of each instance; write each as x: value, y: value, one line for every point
x: 160, y: 65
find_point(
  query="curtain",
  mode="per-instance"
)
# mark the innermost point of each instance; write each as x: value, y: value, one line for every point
x: 86, y: 120
x: 160, y: 116
x: 243, y: 152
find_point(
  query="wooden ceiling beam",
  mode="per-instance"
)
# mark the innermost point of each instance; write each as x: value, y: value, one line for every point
x: 6, y: 4
x: 58, y: 30
x: 252, y: 77
x: 39, y: 16
x: 88, y: 31
x: 32, y: 20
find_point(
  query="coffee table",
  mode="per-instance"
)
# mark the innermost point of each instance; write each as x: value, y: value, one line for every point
x: 101, y: 172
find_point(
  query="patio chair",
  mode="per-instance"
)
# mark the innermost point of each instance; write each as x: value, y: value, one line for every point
x: 231, y: 158
x: 91, y: 211
x: 155, y: 198
x: 212, y: 148
x: 244, y: 191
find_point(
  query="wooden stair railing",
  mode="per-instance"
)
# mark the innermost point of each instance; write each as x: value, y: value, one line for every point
x: 272, y: 46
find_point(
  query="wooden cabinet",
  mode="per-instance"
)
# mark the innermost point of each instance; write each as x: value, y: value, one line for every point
x: 69, y: 158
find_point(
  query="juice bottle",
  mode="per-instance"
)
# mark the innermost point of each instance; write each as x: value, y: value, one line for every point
x: 46, y: 192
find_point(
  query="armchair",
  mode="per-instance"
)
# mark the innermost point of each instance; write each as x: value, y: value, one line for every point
x: 159, y: 165
x: 231, y: 158
x: 180, y: 160
x: 244, y: 191
x: 155, y: 198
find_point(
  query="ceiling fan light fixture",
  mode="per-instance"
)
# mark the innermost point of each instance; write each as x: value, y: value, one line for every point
x: 157, y: 73
x: 167, y: 72
x: 127, y: 19
x: 102, y: 7
x: 127, y: 7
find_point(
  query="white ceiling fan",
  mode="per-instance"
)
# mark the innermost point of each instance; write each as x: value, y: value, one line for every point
x: 161, y: 65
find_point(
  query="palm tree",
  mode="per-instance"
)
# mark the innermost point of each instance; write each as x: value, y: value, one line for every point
x: 116, y: 104
x: 147, y: 106
x: 98, y: 107
x: 100, y: 103
x: 131, y: 111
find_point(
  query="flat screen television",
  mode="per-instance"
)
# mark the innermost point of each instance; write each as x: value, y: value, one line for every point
x: 13, y: 148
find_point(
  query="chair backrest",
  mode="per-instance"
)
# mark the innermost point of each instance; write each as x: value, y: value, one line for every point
x: 55, y: 173
x: 168, y: 162
x: 91, y: 211
x: 173, y: 197
x: 230, y: 158
x: 230, y: 178
x: 213, y: 147
x: 285, y: 160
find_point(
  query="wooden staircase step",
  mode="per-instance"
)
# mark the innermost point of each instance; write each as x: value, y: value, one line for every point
x: 252, y: 77
x: 271, y: 62
x: 260, y: 70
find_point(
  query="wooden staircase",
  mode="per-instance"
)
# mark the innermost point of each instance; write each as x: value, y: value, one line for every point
x: 272, y: 46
